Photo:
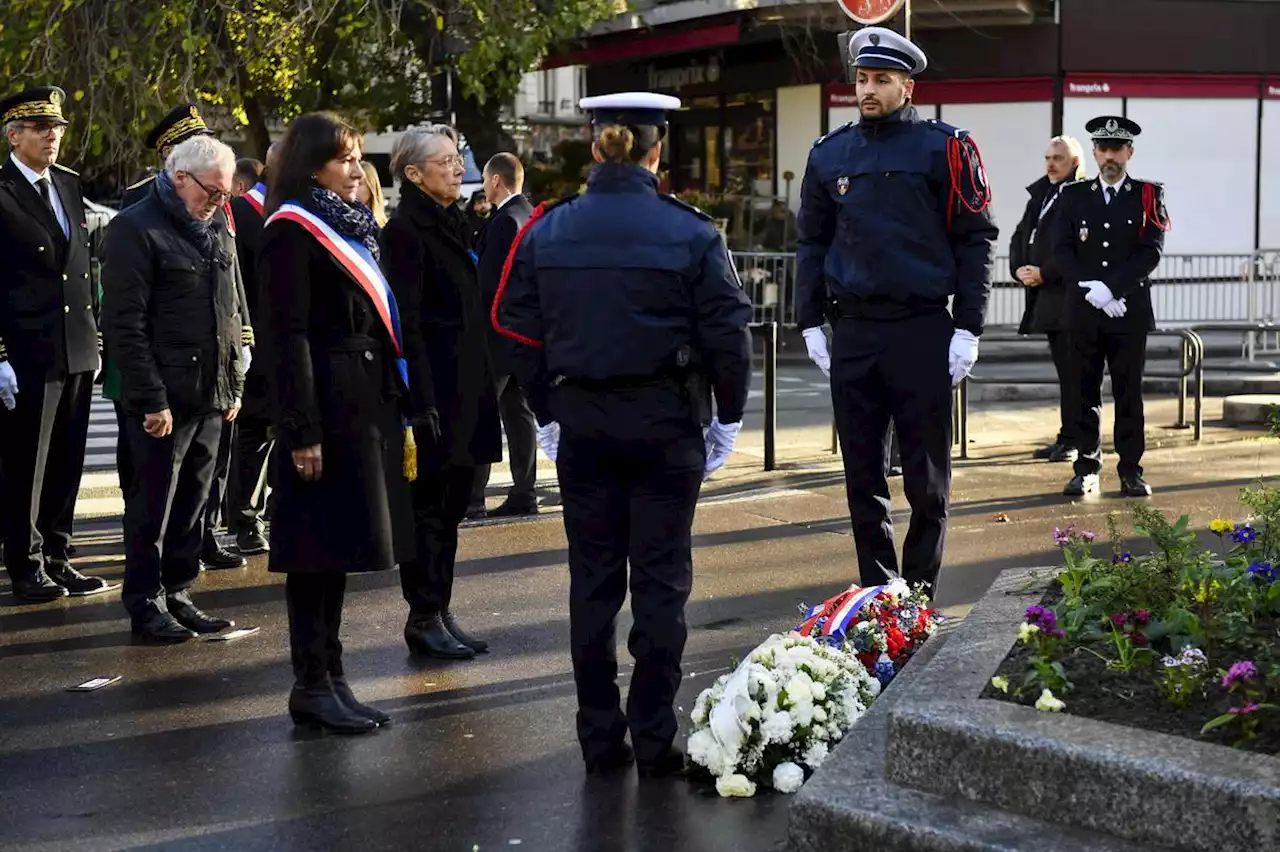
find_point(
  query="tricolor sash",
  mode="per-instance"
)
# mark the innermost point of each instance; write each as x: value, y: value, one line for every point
x: 831, y: 617
x: 257, y: 197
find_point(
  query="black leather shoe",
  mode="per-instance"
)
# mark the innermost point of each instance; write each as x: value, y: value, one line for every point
x: 476, y: 513
x: 670, y: 765
x: 162, y: 628
x: 252, y: 543
x: 478, y: 645
x: 218, y: 558
x: 190, y: 616
x: 1063, y: 453
x: 618, y: 757
x: 342, y: 689
x: 514, y: 510
x: 1134, y: 486
x: 1044, y: 453
x: 39, y: 589
x: 320, y: 707
x: 1081, y: 485
x: 76, y: 584
x: 427, y: 636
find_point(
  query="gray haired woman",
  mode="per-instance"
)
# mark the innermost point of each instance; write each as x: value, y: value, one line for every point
x: 432, y: 271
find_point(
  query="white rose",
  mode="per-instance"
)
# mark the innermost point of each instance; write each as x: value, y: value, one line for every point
x: 819, y: 692
x: 799, y: 689
x: 816, y: 754
x: 787, y: 777
x: 778, y: 728
x: 802, y: 713
x: 735, y: 785
x: 707, y: 753
x: 819, y: 715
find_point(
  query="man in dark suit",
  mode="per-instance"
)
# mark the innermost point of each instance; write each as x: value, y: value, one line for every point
x: 1108, y: 238
x: 48, y: 349
x: 503, y: 183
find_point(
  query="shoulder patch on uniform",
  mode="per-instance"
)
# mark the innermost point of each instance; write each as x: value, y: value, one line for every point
x: 841, y: 129
x: 63, y: 168
x: 949, y: 129
x: 700, y: 213
x: 143, y: 182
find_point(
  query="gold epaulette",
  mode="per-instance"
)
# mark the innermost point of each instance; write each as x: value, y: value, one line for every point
x: 143, y: 182
x: 246, y: 336
x: 63, y: 168
x: 4, y: 353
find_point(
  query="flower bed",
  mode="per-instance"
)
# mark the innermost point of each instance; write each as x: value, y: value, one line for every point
x: 773, y: 720
x: 1181, y: 640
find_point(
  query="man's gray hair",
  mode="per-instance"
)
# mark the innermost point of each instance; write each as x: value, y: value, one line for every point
x: 417, y: 144
x: 12, y: 127
x: 200, y: 154
x: 1076, y: 150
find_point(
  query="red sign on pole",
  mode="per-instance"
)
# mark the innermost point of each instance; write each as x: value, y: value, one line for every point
x: 869, y: 12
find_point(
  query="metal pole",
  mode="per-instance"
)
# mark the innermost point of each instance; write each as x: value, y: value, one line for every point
x: 964, y: 419
x: 770, y: 395
x: 835, y: 435
x: 1185, y: 364
x: 907, y: 22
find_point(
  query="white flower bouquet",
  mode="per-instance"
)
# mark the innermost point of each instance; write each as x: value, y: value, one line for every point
x: 773, y: 719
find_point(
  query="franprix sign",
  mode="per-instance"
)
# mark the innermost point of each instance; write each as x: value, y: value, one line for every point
x: 868, y: 12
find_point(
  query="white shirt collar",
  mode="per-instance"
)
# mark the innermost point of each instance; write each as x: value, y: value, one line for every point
x: 504, y: 201
x: 29, y: 173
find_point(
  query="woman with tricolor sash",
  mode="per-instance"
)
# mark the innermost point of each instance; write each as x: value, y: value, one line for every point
x: 332, y: 344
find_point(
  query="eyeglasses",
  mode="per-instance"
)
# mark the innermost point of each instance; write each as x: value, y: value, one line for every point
x: 216, y: 196
x: 46, y: 129
x: 450, y: 162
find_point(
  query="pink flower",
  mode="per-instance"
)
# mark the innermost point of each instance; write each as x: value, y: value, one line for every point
x: 1242, y: 670
x: 1240, y: 711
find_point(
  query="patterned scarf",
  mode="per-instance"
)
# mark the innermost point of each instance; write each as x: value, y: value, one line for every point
x: 199, y: 231
x: 351, y: 220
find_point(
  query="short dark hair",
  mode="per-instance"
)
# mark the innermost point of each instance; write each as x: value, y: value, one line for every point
x: 507, y: 167
x: 248, y: 169
x: 311, y: 141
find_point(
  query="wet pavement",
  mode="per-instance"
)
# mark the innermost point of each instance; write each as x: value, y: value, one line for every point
x: 192, y: 749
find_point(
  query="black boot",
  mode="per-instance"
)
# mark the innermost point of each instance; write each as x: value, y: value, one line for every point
x: 478, y: 645
x: 427, y: 636
x: 318, y: 705
x: 342, y: 689
x: 617, y: 757
x: 670, y: 764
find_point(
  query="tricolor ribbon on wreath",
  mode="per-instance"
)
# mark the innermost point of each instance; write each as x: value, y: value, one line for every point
x: 360, y: 264
x: 830, y: 619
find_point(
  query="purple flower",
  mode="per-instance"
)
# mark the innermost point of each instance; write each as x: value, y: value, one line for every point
x: 1242, y: 670
x: 1119, y: 619
x: 884, y: 672
x: 1262, y: 571
x: 1088, y: 536
x: 1244, y: 535
x: 1062, y: 535
x: 1142, y: 616
x: 1122, y: 557
x: 1248, y: 708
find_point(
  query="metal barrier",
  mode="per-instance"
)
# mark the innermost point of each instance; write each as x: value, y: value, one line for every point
x: 1191, y: 362
x: 769, y: 331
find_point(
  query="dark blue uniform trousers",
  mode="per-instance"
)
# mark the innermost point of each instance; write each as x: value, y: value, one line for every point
x: 895, y: 369
x: 630, y: 465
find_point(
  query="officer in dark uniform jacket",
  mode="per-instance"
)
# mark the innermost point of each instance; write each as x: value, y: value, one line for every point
x: 625, y: 299
x: 1109, y: 235
x: 894, y: 220
x: 179, y: 124
x: 48, y: 349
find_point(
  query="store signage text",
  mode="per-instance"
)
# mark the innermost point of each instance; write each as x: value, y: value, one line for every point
x: 693, y: 74
x: 1088, y: 88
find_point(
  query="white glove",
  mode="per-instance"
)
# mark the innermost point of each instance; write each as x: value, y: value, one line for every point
x: 246, y: 358
x: 720, y: 438
x: 815, y: 339
x: 1099, y: 294
x: 962, y: 355
x: 549, y: 439
x: 1115, y: 308
x: 8, y: 386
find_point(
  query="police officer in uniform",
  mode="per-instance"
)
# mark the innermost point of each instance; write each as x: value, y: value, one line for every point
x: 179, y: 124
x: 1109, y: 235
x: 48, y: 349
x: 894, y: 220
x: 624, y: 423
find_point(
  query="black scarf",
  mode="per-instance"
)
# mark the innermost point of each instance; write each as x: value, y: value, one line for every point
x: 200, y: 232
x: 351, y: 220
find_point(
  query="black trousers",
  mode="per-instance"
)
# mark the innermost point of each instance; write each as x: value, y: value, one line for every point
x: 124, y: 460
x: 895, y: 370
x: 163, y: 509
x: 246, y: 479
x: 630, y: 468
x: 521, y: 428
x: 1060, y: 350
x: 440, y: 500
x: 215, y: 508
x: 315, y: 616
x: 42, y: 443
x: 1125, y: 357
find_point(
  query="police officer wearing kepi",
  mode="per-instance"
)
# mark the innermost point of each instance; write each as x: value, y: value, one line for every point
x: 48, y: 349
x: 893, y: 220
x: 178, y: 125
x: 629, y: 311
x: 1109, y: 235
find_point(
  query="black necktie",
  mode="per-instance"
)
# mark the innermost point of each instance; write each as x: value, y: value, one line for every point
x: 1110, y: 192
x: 43, y: 185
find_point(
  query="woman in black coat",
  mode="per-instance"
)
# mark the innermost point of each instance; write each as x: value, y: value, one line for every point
x: 342, y: 502
x: 432, y: 269
x: 1031, y: 259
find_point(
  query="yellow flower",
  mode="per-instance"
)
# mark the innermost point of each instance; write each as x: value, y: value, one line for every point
x: 1026, y: 631
x: 1046, y: 703
x: 1001, y: 683
x: 1221, y: 526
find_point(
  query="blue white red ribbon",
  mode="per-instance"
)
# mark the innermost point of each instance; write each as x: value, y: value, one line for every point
x: 831, y: 618
x: 257, y: 197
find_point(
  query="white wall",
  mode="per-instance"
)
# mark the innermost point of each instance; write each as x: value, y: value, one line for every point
x: 799, y: 118
x: 1011, y: 138
x: 837, y: 116
x: 1076, y: 112
x: 1210, y: 193
x: 1269, y: 237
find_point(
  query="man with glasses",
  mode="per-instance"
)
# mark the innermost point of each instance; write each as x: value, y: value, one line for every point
x: 48, y: 349
x: 171, y: 311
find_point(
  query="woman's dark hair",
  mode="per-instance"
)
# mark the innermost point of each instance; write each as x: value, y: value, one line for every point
x: 311, y: 141
x: 621, y: 144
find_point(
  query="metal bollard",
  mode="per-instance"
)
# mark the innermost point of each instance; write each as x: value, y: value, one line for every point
x: 770, y: 395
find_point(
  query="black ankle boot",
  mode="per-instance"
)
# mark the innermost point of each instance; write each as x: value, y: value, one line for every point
x: 427, y: 636
x: 343, y: 690
x: 319, y: 705
x: 478, y: 645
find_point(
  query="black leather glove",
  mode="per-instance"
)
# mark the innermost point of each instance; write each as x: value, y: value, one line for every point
x: 429, y: 424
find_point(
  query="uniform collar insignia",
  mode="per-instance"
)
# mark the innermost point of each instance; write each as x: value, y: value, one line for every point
x: 1093, y: 186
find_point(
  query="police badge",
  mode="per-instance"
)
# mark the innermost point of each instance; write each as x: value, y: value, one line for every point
x: 842, y: 185
x: 1084, y: 231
